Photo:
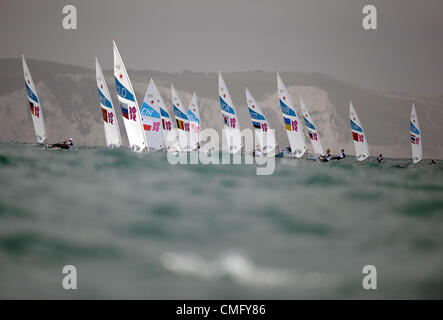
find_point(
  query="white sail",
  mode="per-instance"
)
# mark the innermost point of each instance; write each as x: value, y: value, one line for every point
x: 110, y: 122
x: 231, y: 123
x: 128, y: 104
x: 314, y: 136
x: 263, y: 130
x: 150, y: 115
x: 182, y: 121
x: 416, y: 142
x: 291, y: 121
x: 170, y: 134
x: 358, y: 135
x: 34, y: 105
x: 194, y: 121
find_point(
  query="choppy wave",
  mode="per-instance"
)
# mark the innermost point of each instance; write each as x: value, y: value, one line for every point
x: 240, y: 269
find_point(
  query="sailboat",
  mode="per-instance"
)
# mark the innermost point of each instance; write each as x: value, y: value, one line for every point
x: 35, y: 106
x: 194, y: 121
x: 312, y: 131
x: 170, y: 135
x: 182, y: 121
x: 150, y: 116
x: 129, y: 105
x: 110, y: 122
x: 358, y: 135
x: 263, y: 131
x: 292, y: 122
x: 230, y: 120
x: 416, y: 142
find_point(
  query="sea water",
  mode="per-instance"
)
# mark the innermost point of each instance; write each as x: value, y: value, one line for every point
x: 135, y: 226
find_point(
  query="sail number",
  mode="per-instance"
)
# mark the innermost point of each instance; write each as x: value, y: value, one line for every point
x: 121, y: 91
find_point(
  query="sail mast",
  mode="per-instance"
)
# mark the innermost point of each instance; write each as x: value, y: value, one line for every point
x: 182, y: 121
x: 128, y: 104
x: 314, y: 136
x: 150, y: 116
x: 262, y: 128
x: 291, y: 121
x: 230, y: 120
x: 34, y: 105
x: 416, y: 141
x: 110, y: 121
x: 358, y: 135
x: 170, y: 135
x: 194, y: 121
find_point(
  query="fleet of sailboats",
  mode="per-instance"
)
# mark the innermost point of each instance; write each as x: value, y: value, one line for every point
x: 151, y: 127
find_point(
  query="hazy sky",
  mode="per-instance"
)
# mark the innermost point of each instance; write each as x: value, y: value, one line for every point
x: 326, y: 36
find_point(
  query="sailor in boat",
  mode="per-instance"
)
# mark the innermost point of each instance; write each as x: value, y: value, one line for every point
x: 340, y: 156
x: 380, y: 159
x: 280, y: 153
x: 67, y: 144
x: 257, y: 151
x: 326, y: 157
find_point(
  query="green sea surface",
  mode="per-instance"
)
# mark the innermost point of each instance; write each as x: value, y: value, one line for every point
x: 135, y: 226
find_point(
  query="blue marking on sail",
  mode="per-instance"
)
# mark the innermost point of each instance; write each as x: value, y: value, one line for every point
x: 179, y: 114
x: 193, y: 117
x: 103, y: 100
x: 355, y: 127
x: 123, y: 92
x: 31, y: 94
x: 286, y: 110
x: 147, y: 110
x: 225, y: 107
x: 256, y: 115
x: 309, y: 124
x: 164, y: 113
x: 414, y: 129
